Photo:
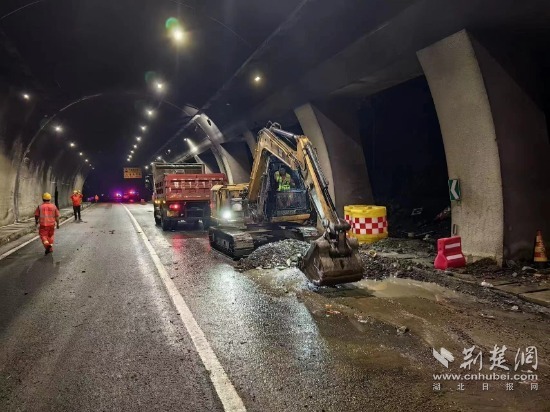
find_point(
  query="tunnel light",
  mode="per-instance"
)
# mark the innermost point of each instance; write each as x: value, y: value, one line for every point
x: 72, y: 144
x: 143, y: 128
x: 58, y: 129
x: 151, y: 163
x: 146, y: 167
x: 257, y: 79
x: 26, y: 96
x: 186, y: 139
x: 160, y: 86
x: 138, y: 138
x: 131, y: 151
x: 81, y: 154
x: 150, y: 112
x: 178, y: 34
x: 86, y: 160
x: 128, y: 159
x: 135, y: 146
x: 159, y: 158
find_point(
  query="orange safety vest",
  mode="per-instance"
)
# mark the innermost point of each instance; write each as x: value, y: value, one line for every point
x: 77, y: 199
x: 47, y: 213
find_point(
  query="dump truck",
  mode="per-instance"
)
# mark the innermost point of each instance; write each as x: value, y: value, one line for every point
x: 248, y: 215
x: 181, y: 193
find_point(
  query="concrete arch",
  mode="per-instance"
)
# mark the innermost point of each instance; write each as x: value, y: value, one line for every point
x: 487, y: 119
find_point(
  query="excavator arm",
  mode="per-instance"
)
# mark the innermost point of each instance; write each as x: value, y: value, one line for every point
x: 331, y: 259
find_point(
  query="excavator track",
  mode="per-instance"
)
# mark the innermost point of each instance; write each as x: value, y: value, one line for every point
x: 231, y: 242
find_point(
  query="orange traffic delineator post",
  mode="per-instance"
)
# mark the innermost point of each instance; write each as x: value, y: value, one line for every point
x: 540, y: 250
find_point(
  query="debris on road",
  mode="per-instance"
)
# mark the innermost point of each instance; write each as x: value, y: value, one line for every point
x: 285, y: 253
x: 487, y: 284
x: 402, y: 330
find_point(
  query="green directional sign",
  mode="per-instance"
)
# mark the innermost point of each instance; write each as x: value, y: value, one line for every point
x: 454, y: 189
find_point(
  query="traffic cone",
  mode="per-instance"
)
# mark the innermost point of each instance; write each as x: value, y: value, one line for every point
x: 540, y: 251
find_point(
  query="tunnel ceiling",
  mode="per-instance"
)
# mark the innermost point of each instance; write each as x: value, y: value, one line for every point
x: 58, y: 51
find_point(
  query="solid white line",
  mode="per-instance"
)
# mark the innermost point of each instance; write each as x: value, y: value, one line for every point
x: 226, y: 391
x: 22, y: 245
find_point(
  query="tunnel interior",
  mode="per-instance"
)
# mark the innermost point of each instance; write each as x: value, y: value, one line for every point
x: 405, y: 158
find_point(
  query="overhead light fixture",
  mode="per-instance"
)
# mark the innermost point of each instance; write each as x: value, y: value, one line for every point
x: 146, y: 167
x: 160, y: 85
x: 128, y: 159
x: 72, y: 144
x: 26, y: 96
x: 177, y: 34
x: 131, y: 151
x: 135, y: 146
x: 143, y: 128
x: 159, y: 158
x: 257, y: 79
x: 138, y: 138
x: 81, y: 154
x: 58, y: 129
x: 150, y: 112
x: 86, y: 160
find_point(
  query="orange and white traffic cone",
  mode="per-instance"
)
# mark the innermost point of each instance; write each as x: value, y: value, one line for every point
x: 540, y: 251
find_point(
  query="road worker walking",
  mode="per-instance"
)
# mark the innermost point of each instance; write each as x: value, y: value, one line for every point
x: 47, y: 214
x: 76, y: 198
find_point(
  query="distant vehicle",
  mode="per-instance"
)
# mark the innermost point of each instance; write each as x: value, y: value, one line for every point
x: 181, y: 193
x: 129, y: 196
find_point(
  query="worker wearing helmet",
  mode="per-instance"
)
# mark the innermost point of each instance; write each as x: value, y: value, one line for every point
x: 76, y: 198
x: 47, y: 215
x: 284, y: 183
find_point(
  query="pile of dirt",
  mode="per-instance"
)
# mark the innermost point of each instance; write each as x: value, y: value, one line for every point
x: 381, y: 267
x: 282, y: 254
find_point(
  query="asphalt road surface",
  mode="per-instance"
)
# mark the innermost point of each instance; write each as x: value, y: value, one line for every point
x: 126, y: 317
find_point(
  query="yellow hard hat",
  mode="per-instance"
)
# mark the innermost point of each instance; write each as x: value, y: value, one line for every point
x: 46, y: 196
x: 75, y: 191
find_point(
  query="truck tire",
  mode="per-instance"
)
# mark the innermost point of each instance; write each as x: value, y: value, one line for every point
x: 165, y: 224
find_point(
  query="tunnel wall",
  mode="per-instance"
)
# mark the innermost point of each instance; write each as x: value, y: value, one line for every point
x: 45, y: 163
x: 470, y: 140
x: 238, y: 160
x: 524, y: 149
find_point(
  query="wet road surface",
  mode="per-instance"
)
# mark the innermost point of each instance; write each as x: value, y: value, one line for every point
x: 93, y: 328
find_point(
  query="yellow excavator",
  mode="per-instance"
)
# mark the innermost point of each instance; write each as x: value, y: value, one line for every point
x: 248, y: 215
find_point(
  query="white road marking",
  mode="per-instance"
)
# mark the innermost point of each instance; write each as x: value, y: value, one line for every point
x: 226, y: 391
x: 22, y: 245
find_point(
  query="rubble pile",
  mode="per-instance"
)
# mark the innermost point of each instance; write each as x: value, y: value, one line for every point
x: 282, y: 254
x: 380, y: 267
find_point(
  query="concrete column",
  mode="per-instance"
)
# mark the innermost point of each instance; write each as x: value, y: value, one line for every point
x: 339, y: 151
x: 469, y: 137
x: 250, y: 141
x: 237, y: 161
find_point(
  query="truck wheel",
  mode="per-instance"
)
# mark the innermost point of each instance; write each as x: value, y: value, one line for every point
x: 199, y: 225
x: 165, y: 225
x: 157, y: 221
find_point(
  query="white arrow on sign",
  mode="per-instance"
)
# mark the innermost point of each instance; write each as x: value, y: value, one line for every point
x: 454, y: 193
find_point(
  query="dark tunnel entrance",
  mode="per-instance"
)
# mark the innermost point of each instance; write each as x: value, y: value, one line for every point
x: 406, y: 159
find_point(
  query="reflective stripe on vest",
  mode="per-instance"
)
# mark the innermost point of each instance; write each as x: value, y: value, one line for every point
x: 284, y: 183
x: 48, y: 213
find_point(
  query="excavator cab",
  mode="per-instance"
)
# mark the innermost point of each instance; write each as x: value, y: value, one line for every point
x: 293, y: 202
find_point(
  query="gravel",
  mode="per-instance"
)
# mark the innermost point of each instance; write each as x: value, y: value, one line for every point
x: 282, y: 254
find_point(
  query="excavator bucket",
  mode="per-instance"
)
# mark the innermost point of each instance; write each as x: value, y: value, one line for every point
x: 324, y: 265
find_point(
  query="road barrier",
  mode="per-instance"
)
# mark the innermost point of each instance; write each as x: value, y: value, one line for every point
x: 449, y: 253
x: 540, y: 250
x: 369, y: 224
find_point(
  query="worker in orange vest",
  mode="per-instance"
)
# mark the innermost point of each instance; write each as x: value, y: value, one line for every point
x: 76, y: 198
x: 47, y: 214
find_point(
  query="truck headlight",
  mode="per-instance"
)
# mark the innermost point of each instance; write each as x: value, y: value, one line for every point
x: 226, y: 214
